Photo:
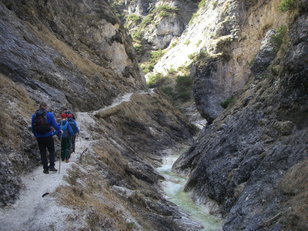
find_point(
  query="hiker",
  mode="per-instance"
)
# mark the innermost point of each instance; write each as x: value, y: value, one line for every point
x: 42, y: 123
x: 65, y: 138
x: 75, y: 128
x: 67, y: 112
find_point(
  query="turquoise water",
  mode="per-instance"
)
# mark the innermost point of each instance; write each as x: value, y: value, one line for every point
x: 174, y: 189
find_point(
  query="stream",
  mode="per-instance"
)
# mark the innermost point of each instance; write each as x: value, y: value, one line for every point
x: 173, y: 187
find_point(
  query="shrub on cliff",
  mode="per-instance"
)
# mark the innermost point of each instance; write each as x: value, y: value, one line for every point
x: 165, y: 11
x: 153, y: 79
x: 183, y: 88
x: 227, y: 102
x: 287, y: 5
x: 149, y: 65
x: 201, y: 4
x: 278, y: 37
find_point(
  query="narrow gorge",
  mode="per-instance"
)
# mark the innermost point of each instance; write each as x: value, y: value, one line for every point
x: 218, y: 86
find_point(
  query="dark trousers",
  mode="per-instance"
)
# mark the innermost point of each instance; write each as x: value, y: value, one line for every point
x: 47, y: 143
x: 66, y: 148
x: 73, y: 143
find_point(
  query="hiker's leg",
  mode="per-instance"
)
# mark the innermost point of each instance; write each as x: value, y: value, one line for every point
x: 73, y: 143
x: 69, y: 142
x: 42, y: 146
x: 63, y: 149
x: 51, y: 149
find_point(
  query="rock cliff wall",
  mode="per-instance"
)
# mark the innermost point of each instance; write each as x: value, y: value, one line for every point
x: 245, y: 159
x: 80, y: 45
x: 65, y: 54
x: 219, y: 46
x: 154, y: 24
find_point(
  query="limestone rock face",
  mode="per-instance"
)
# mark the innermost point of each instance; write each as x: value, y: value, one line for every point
x: 71, y: 52
x: 219, y: 47
x: 160, y: 35
x: 163, y: 29
x: 240, y: 161
x: 266, y: 54
x: 160, y: 21
x: 139, y: 7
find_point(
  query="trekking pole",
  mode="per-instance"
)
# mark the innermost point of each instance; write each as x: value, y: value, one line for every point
x: 60, y: 148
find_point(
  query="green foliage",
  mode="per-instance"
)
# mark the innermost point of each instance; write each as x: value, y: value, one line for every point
x: 162, y: 11
x: 287, y: 5
x: 184, y: 70
x: 193, y: 56
x: 149, y: 65
x: 137, y: 35
x: 202, y: 4
x: 155, y: 55
x: 138, y: 47
x: 172, y: 71
x: 173, y: 44
x: 214, y: 4
x: 187, y: 42
x: 183, y: 96
x: 192, y: 19
x: 169, y: 92
x: 146, y: 20
x: 198, y: 43
x: 165, y: 11
x: 134, y: 17
x: 181, y: 68
x: 227, y: 102
x: 183, y: 88
x: 153, y: 79
x: 181, y: 92
x: 277, y: 38
x: 202, y: 54
x: 146, y: 68
x: 130, y: 226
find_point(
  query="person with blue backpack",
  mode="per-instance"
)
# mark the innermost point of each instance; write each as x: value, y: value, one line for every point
x: 44, y: 127
x: 65, y: 138
x: 76, y: 130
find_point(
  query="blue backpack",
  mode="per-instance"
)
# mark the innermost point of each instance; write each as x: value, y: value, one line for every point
x: 64, y: 128
x: 41, y: 124
x: 73, y: 125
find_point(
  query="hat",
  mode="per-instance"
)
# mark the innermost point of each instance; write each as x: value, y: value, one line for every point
x: 63, y: 115
x: 69, y: 116
x: 43, y: 104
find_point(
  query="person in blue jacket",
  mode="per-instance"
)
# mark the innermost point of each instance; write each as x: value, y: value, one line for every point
x: 76, y: 130
x: 66, y: 138
x: 44, y: 127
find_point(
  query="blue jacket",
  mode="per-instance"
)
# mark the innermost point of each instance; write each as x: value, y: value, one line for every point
x: 66, y: 128
x: 74, y: 125
x: 51, y: 121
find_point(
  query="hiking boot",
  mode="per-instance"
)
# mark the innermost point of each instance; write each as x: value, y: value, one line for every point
x: 46, y: 171
x: 52, y: 169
